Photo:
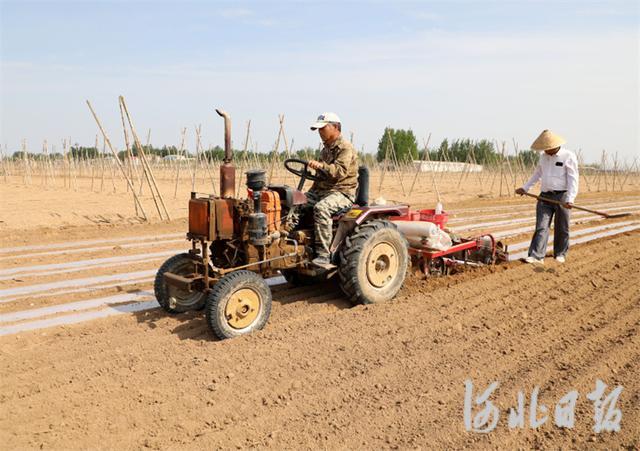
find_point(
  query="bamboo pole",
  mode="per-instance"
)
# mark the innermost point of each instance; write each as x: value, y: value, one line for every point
x: 67, y: 167
x: 275, y: 155
x: 175, y: 191
x: 583, y: 171
x: 603, y: 169
x: 513, y: 179
x: 106, y: 139
x: 395, y: 159
x: 501, y: 169
x: 243, y: 158
x: 384, y: 165
x: 464, y: 169
x: 615, y: 171
x: 5, y: 166
x: 286, y: 148
x: 150, y: 178
x: 133, y: 172
x: 205, y: 159
x: 143, y: 166
x: 433, y: 178
x: 419, y: 168
x: 475, y: 162
x: 26, y: 179
x: 196, y: 161
x: 629, y: 171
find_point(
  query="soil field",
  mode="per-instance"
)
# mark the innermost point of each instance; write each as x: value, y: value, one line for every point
x: 87, y: 360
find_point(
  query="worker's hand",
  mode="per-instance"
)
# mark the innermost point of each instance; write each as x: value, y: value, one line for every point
x: 520, y: 191
x: 568, y: 205
x: 313, y: 164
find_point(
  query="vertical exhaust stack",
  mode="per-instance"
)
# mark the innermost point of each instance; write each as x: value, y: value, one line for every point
x: 227, y: 169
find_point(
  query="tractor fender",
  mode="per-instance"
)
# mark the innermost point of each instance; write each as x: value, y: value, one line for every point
x: 358, y: 215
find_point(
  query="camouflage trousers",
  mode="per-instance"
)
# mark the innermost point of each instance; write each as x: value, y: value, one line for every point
x: 324, y: 205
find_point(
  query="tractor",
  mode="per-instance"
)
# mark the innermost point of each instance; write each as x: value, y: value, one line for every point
x: 238, y: 244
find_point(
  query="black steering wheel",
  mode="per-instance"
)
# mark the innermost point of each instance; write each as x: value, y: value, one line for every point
x: 305, y: 172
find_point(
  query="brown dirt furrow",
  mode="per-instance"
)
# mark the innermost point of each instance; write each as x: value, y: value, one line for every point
x: 112, y: 251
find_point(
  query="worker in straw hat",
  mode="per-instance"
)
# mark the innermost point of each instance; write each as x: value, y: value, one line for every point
x: 335, y: 191
x: 557, y: 171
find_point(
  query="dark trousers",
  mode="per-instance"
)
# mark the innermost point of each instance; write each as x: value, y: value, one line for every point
x: 545, y: 213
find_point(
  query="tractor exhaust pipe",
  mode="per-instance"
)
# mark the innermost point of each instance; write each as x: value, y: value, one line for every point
x: 227, y: 169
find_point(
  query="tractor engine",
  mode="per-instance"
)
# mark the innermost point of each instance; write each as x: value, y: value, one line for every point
x: 265, y: 220
x: 245, y: 232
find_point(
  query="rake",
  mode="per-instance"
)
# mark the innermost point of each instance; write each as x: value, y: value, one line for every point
x: 601, y: 213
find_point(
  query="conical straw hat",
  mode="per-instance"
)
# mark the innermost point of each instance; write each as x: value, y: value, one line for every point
x: 547, y: 140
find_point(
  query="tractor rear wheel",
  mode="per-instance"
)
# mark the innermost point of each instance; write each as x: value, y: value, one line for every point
x: 172, y: 299
x: 238, y: 304
x: 373, y: 262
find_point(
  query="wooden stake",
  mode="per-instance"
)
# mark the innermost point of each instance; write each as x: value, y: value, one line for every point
x: 175, y: 191
x: 419, y: 168
x: 275, y: 155
x: 149, y: 174
x: 243, y: 158
x: 106, y: 139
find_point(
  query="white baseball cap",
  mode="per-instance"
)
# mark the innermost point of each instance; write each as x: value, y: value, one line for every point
x: 324, y: 119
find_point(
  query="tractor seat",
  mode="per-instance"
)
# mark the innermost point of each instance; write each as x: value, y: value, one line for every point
x: 362, y: 192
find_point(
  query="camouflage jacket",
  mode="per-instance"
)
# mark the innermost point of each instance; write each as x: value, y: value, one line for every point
x: 340, y: 161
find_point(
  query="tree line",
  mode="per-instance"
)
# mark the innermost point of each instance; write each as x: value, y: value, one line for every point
x: 394, y: 145
x: 402, y: 146
x: 78, y: 152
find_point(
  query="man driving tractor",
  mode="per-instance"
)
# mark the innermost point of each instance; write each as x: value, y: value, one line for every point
x: 335, y: 192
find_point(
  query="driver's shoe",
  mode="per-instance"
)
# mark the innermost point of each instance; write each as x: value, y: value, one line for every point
x: 323, y: 262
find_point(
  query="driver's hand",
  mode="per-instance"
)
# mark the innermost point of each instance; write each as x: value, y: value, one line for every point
x: 314, y: 164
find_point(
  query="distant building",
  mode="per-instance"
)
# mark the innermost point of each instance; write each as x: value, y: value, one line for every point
x: 175, y: 157
x: 446, y: 166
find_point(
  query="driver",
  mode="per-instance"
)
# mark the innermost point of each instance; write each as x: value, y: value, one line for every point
x: 339, y: 160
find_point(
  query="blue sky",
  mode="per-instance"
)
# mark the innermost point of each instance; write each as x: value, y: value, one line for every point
x: 477, y: 69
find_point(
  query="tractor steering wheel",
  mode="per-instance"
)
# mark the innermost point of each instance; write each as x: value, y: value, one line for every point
x: 304, y: 173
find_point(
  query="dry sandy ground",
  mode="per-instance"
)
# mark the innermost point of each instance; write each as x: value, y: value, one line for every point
x: 47, y: 203
x: 324, y: 374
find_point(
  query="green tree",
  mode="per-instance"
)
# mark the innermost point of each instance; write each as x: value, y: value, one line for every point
x: 217, y: 153
x: 308, y: 153
x: 530, y: 157
x: 464, y: 150
x: 84, y: 152
x: 405, y: 145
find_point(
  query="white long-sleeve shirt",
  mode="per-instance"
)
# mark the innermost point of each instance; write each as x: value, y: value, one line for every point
x: 557, y: 172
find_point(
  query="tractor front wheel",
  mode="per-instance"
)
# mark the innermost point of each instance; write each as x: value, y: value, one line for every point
x: 373, y: 262
x: 238, y: 304
x: 172, y: 299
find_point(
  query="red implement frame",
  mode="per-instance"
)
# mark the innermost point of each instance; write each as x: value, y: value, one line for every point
x: 468, y: 244
x: 473, y: 244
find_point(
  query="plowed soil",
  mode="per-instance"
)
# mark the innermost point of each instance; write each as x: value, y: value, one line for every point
x: 323, y: 373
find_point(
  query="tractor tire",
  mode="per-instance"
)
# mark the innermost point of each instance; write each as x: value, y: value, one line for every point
x: 238, y: 304
x: 301, y: 280
x: 373, y: 262
x: 171, y: 299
